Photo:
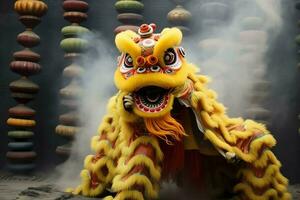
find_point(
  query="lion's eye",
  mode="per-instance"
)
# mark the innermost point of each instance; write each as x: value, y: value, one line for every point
x: 127, y: 65
x: 128, y: 62
x: 171, y: 59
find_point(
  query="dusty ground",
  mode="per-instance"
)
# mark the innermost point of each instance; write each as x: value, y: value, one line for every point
x: 31, y: 188
x: 38, y: 188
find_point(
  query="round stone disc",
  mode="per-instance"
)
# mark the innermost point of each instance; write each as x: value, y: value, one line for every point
x: 73, y: 71
x: 20, y: 122
x: 64, y: 150
x: 31, y: 8
x: 75, y: 17
x: 72, y: 90
x: 74, y: 45
x: 22, y: 98
x: 25, y: 68
x: 69, y: 31
x: 21, y: 111
x: 214, y: 10
x: 71, y: 118
x: 21, y: 168
x: 72, y: 56
x: 29, y: 20
x: 20, y: 134
x: 24, y: 85
x: 20, y: 146
x: 75, y: 5
x: 27, y: 54
x: 179, y: 16
x: 130, y: 18
x: 68, y: 131
x: 126, y: 27
x: 21, y: 156
x: 129, y: 6
x: 28, y: 39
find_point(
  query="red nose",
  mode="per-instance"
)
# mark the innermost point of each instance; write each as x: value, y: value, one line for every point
x: 144, y: 28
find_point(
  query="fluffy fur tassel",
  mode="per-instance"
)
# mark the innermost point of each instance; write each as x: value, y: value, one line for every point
x: 165, y: 126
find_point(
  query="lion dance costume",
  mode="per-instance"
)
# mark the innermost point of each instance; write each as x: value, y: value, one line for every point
x: 163, y: 120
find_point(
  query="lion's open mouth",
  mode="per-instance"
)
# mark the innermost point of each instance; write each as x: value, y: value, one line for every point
x: 151, y: 99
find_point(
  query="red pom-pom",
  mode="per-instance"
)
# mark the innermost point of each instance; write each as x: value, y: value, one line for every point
x: 153, y: 26
x: 144, y: 28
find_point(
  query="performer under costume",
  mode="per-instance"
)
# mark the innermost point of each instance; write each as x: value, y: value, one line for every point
x: 163, y: 119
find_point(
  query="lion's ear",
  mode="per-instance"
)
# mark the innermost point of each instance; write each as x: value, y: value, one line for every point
x: 170, y: 37
x: 125, y: 43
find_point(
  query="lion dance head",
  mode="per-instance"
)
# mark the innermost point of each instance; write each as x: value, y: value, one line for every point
x: 152, y: 67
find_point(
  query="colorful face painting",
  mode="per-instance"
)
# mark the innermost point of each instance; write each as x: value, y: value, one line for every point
x: 147, y: 62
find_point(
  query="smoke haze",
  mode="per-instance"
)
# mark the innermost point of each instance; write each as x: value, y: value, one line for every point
x: 231, y: 45
x: 99, y: 64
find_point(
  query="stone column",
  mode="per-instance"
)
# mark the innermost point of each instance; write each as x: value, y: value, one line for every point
x: 74, y: 45
x: 21, y: 117
x: 129, y: 14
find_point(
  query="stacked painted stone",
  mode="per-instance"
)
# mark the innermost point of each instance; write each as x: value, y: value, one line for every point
x: 253, y: 39
x: 74, y: 45
x: 21, y: 155
x: 213, y: 14
x: 180, y: 17
x: 129, y: 14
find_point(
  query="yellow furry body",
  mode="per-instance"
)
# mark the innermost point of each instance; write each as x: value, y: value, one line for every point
x: 127, y: 157
x: 216, y: 123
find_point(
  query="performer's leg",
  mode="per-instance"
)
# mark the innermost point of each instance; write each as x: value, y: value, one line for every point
x: 99, y: 168
x: 262, y: 179
x: 138, y: 170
